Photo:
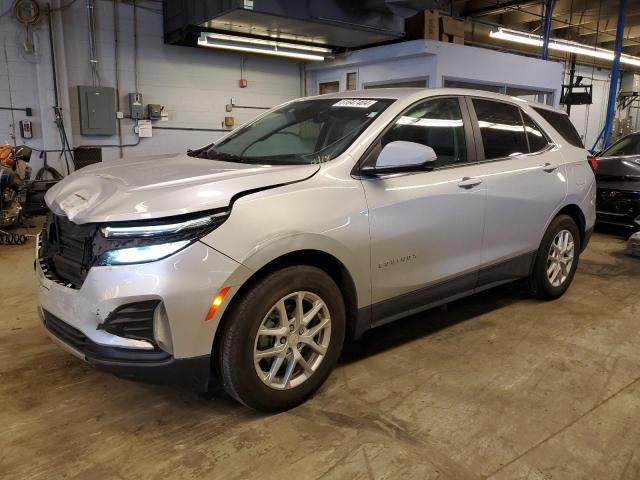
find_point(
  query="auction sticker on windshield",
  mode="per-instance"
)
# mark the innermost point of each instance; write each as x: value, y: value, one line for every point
x: 355, y: 103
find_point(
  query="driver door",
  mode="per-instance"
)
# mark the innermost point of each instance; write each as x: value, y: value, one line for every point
x: 426, y: 226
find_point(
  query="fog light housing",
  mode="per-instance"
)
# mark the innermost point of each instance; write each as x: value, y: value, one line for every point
x: 161, y: 329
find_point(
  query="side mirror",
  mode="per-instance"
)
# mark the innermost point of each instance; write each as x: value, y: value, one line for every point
x: 400, y: 156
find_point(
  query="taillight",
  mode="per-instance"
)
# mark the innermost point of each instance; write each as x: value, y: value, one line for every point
x: 593, y: 163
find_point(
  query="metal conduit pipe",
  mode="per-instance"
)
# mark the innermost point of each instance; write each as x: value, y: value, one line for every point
x: 93, y: 56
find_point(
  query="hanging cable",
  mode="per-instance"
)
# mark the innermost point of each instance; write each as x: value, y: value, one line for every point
x: 593, y: 69
x: 116, y: 41
x: 11, y: 109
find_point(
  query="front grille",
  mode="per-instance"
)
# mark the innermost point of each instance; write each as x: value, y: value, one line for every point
x: 618, y: 202
x: 65, y: 332
x: 133, y: 320
x: 66, y: 251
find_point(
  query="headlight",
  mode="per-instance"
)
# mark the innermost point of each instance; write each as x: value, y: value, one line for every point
x: 143, y: 241
x: 164, y: 227
x: 142, y: 254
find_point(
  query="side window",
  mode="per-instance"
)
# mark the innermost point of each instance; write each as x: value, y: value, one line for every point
x: 562, y: 124
x: 501, y: 127
x: 537, y: 139
x: 626, y: 146
x: 437, y: 124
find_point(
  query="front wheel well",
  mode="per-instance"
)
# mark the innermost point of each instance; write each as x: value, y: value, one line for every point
x: 315, y: 258
x: 576, y: 214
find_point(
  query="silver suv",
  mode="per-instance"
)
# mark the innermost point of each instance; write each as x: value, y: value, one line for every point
x: 253, y: 258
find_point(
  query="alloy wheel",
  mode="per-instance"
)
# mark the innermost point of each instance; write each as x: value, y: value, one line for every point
x: 292, y: 340
x: 560, y: 258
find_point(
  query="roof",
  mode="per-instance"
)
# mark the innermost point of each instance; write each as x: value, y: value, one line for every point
x: 417, y: 93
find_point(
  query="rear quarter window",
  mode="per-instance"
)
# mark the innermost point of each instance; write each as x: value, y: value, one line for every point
x: 562, y: 124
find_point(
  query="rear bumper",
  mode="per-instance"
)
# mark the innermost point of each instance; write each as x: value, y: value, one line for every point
x: 155, y: 365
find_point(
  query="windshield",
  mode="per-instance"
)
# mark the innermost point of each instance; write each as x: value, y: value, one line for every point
x: 626, y: 146
x: 304, y: 132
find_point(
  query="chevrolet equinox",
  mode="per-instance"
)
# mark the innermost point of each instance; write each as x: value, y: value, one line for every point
x: 251, y: 260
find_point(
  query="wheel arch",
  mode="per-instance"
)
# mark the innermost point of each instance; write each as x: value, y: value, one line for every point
x: 320, y: 259
x: 574, y: 211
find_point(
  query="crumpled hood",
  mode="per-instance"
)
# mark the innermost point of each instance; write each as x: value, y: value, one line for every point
x: 161, y: 186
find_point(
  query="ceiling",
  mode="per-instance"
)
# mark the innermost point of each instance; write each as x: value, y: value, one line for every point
x: 591, y: 22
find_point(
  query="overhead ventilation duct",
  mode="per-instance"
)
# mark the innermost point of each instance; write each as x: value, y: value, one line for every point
x: 402, y: 8
x: 332, y: 24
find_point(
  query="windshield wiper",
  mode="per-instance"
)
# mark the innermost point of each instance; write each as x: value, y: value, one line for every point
x: 226, y: 157
x: 199, y: 152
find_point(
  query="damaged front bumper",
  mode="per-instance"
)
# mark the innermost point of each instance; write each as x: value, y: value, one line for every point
x: 172, y: 344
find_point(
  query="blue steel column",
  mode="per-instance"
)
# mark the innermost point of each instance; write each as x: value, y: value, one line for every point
x: 548, y: 14
x: 615, y: 73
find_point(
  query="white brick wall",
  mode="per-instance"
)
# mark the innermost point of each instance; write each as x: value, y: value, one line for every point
x: 194, y: 84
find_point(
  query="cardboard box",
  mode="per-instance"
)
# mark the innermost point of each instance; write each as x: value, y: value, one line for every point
x: 424, y: 25
x: 452, y: 26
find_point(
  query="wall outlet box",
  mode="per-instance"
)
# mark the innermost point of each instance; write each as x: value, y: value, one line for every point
x: 26, y: 130
x: 229, y: 121
x: 154, y: 111
x: 243, y: 83
x: 228, y: 107
x: 136, y: 107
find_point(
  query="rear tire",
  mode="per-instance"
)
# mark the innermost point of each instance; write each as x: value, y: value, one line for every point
x: 557, y: 259
x: 270, y: 357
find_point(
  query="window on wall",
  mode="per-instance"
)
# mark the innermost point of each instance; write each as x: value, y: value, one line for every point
x: 416, y: 83
x: 531, y: 95
x: 501, y: 128
x: 328, y: 87
x: 436, y: 124
x: 352, y: 81
x: 474, y: 86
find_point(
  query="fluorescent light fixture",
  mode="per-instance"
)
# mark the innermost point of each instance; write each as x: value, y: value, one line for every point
x: 561, y: 45
x: 263, y: 46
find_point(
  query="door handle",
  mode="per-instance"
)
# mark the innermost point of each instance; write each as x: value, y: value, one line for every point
x: 469, y: 182
x: 549, y: 167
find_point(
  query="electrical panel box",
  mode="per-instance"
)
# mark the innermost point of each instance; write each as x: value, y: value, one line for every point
x: 155, y: 111
x: 629, y: 83
x: 97, y: 107
x: 26, y: 130
x: 136, y: 108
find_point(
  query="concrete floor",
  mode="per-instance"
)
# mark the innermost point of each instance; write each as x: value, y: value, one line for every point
x: 496, y: 386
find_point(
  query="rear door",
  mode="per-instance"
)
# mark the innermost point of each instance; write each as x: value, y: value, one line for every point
x: 426, y: 226
x: 525, y: 177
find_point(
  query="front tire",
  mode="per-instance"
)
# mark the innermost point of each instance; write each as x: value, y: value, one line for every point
x: 557, y: 259
x: 282, y: 338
